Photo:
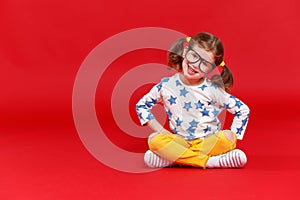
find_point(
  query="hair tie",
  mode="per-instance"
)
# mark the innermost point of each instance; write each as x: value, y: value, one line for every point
x: 222, y: 64
x: 186, y: 42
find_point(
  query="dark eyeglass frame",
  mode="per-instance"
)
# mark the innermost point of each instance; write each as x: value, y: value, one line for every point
x: 202, y: 61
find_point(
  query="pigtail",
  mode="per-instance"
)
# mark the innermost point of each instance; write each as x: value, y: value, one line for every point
x: 225, y: 80
x: 175, y: 54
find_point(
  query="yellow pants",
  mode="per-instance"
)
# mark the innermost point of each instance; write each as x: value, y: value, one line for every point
x: 190, y: 153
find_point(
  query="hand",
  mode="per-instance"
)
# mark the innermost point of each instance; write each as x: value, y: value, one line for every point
x: 229, y: 134
x: 164, y: 131
x: 156, y: 126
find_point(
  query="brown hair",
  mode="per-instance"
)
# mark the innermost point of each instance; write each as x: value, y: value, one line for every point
x: 210, y: 43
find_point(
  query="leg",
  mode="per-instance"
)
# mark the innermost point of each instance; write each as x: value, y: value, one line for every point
x: 176, y: 150
x: 168, y: 146
x: 201, y: 150
x: 224, y: 154
x: 195, y: 153
x: 219, y: 143
x: 232, y: 159
x: 164, y: 149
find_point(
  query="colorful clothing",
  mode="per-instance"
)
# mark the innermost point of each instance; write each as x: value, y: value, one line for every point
x: 190, y: 153
x: 193, y: 110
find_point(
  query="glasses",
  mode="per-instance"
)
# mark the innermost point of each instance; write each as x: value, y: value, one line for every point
x: 204, y: 66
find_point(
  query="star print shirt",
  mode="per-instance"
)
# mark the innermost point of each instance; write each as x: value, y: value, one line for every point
x: 193, y: 111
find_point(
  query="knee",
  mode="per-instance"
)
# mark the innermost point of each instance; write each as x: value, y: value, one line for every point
x: 230, y: 135
x: 160, y: 140
x: 155, y: 141
x: 151, y: 137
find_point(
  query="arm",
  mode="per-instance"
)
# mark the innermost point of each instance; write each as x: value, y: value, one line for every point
x: 235, y: 106
x: 241, y: 114
x: 144, y: 106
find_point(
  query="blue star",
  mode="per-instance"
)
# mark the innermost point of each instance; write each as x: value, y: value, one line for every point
x: 214, y: 85
x: 172, y: 100
x: 176, y: 131
x: 244, y: 122
x: 202, y: 87
x: 238, y: 104
x: 205, y: 112
x: 194, y: 123
x: 140, y: 115
x: 150, y: 116
x: 237, y: 114
x: 183, y: 92
x: 178, y: 83
x: 164, y: 80
x: 178, y: 122
x: 187, y: 105
x: 239, y: 130
x: 215, y: 112
x: 140, y: 106
x: 154, y: 101
x: 215, y: 120
x: 208, y: 128
x: 169, y: 114
x: 190, y: 137
x: 191, y: 130
x: 159, y: 86
x: 148, y: 103
x: 226, y: 106
x: 212, y: 102
x: 199, y: 104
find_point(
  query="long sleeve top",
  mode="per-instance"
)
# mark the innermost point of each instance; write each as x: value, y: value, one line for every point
x: 193, y: 111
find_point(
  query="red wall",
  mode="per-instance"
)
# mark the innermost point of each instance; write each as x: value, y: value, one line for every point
x: 43, y: 44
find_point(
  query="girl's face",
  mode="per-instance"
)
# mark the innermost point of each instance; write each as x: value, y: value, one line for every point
x: 195, y: 59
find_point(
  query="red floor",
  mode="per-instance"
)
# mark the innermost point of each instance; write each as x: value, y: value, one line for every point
x: 52, y: 163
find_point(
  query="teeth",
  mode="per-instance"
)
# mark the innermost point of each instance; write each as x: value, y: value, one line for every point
x: 192, y: 69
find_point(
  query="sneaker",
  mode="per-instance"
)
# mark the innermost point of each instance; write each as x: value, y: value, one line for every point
x: 155, y: 161
x: 232, y: 159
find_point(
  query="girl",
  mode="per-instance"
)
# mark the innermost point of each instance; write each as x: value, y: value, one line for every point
x: 193, y: 102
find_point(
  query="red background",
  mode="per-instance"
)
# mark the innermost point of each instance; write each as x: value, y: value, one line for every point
x: 42, y: 46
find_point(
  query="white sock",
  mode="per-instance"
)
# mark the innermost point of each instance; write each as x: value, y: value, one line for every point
x: 213, y: 162
x: 232, y: 159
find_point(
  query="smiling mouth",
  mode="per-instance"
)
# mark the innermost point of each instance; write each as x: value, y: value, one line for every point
x: 192, y: 70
